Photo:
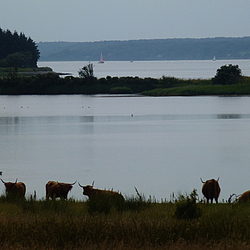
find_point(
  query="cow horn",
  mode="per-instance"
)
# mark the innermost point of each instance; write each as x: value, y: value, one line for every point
x: 202, y: 180
x: 2, y: 180
x: 93, y: 183
x: 218, y: 178
x: 16, y: 180
x: 73, y: 183
x: 80, y: 185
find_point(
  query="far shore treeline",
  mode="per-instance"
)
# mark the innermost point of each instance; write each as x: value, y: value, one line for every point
x: 19, y: 75
x: 227, y: 81
x: 223, y: 48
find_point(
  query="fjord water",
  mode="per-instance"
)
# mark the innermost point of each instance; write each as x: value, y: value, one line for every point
x: 159, y: 145
x: 156, y: 69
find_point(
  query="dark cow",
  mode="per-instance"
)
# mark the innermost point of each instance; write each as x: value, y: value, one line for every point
x: 211, y: 189
x: 15, y: 188
x: 94, y: 193
x: 245, y: 197
x: 56, y: 189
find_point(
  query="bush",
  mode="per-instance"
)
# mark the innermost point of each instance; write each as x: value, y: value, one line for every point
x: 227, y: 75
x: 187, y: 208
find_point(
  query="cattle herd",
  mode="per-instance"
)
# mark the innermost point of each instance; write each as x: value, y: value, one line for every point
x: 210, y: 189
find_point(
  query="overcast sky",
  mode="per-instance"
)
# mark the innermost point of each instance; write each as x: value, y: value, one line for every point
x: 98, y: 20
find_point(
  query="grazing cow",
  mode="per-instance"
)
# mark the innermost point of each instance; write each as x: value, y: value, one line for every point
x: 211, y: 189
x: 245, y: 197
x: 17, y: 189
x: 94, y: 193
x: 56, y: 189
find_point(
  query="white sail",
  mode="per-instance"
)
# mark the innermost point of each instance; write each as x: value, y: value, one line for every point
x: 101, y: 59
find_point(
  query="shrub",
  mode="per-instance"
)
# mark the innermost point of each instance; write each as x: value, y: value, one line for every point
x: 187, y: 208
x: 227, y: 75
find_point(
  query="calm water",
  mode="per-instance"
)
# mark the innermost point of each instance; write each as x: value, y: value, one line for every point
x: 165, y: 146
x: 156, y: 69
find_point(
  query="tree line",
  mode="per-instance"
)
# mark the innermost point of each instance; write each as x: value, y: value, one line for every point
x: 148, y: 49
x: 17, y: 50
x: 228, y: 80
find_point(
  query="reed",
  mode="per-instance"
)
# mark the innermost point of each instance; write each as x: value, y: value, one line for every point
x: 43, y: 224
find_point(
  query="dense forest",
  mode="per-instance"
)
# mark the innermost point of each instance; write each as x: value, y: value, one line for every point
x: 154, y: 49
x: 16, y: 50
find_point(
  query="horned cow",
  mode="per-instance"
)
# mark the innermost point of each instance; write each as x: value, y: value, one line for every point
x: 211, y: 189
x: 15, y: 188
x: 94, y: 193
x: 245, y: 197
x: 56, y: 189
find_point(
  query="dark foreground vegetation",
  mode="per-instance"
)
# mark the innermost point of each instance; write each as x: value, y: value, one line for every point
x: 182, y: 223
x: 227, y: 81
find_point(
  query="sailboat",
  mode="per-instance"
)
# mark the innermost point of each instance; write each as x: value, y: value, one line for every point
x: 101, y: 59
x: 214, y: 59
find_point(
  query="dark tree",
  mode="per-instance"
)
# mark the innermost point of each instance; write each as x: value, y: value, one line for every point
x: 227, y: 75
x: 17, y: 50
x: 86, y: 71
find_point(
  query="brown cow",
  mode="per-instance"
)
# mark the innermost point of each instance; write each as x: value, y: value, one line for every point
x: 15, y: 188
x: 94, y: 193
x: 56, y: 189
x: 211, y: 189
x: 245, y: 197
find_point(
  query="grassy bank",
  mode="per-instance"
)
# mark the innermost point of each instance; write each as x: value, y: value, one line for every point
x: 194, y: 88
x: 41, y: 224
x: 4, y: 72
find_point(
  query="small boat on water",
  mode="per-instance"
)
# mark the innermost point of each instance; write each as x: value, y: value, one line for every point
x: 101, y: 59
x: 214, y: 59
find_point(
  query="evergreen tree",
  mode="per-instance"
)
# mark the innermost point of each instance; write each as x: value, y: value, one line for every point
x: 17, y: 50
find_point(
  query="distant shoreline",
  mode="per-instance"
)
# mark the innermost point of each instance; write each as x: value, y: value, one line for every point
x: 223, y: 48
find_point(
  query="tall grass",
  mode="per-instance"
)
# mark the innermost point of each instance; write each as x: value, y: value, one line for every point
x: 45, y: 224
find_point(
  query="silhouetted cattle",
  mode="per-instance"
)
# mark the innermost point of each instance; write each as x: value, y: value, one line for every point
x: 94, y: 193
x: 56, y: 189
x: 211, y: 189
x: 15, y: 188
x: 245, y: 197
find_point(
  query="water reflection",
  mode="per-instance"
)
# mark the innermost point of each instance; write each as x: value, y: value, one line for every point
x: 49, y: 120
x: 229, y: 116
x: 9, y: 120
x: 86, y: 118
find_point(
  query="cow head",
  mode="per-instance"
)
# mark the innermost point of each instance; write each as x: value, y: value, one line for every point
x: 8, y: 185
x: 66, y: 186
x: 87, y: 189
